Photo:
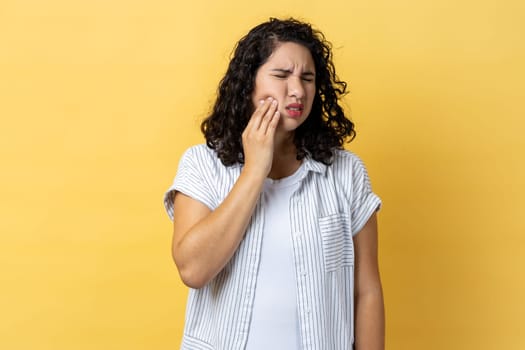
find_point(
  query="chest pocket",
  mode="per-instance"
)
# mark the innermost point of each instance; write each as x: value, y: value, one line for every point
x: 338, y: 247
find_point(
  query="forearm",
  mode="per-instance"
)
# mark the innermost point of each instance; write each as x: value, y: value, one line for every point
x: 370, y: 321
x: 205, y: 248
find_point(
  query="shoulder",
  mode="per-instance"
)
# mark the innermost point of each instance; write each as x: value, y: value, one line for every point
x: 343, y: 164
x: 346, y: 161
x: 200, y: 151
x: 199, y: 155
x: 204, y: 160
x: 349, y: 171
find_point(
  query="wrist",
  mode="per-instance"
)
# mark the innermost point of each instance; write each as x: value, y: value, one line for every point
x: 252, y: 176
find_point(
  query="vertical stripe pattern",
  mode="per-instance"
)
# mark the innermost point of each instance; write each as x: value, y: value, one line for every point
x: 331, y: 205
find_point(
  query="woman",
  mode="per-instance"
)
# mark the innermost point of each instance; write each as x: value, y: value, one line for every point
x: 274, y: 223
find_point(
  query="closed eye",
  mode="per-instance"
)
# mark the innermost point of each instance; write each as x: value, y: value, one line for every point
x: 284, y: 73
x: 307, y: 78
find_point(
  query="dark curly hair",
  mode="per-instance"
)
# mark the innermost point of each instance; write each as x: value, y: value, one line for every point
x: 325, y: 128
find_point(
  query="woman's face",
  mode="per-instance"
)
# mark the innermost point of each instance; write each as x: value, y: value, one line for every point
x: 289, y: 77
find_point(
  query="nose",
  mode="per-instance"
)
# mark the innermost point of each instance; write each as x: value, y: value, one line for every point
x: 295, y: 87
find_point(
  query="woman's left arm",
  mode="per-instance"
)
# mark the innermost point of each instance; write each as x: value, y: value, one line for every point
x: 369, y: 313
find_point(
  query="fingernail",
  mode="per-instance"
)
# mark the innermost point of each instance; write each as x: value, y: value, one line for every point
x: 261, y: 102
x: 274, y: 102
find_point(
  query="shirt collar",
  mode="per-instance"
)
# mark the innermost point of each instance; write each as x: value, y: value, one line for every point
x: 310, y: 164
x: 313, y: 165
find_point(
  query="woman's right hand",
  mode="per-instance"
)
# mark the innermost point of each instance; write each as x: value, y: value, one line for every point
x: 258, y: 138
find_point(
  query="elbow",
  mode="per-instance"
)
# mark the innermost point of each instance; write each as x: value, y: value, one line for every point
x: 369, y: 294
x: 192, y: 278
x: 190, y: 273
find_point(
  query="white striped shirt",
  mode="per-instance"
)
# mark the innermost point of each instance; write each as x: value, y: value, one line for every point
x: 331, y: 205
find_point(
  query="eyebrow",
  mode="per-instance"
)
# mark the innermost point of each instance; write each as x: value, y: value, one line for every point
x: 288, y: 71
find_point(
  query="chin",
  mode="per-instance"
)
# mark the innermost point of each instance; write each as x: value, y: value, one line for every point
x: 290, y: 125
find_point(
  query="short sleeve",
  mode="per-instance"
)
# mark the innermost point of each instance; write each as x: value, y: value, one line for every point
x: 190, y: 180
x: 363, y: 201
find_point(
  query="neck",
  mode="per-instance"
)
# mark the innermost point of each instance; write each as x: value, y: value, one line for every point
x: 283, y: 143
x: 285, y: 161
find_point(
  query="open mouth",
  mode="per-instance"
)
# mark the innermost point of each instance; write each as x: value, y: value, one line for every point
x: 295, y: 110
x: 295, y: 107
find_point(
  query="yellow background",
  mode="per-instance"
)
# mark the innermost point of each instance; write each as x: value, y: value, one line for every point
x: 98, y: 100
